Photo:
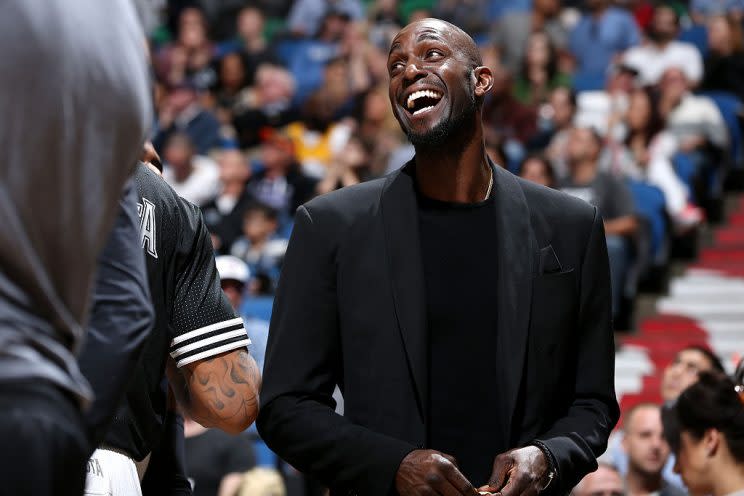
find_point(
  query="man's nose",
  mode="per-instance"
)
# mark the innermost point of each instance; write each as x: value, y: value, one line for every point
x: 413, y: 72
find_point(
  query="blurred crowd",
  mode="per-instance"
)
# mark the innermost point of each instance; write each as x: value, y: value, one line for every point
x: 631, y: 105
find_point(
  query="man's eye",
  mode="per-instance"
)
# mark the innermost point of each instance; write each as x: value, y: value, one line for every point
x: 434, y: 53
x: 395, y: 66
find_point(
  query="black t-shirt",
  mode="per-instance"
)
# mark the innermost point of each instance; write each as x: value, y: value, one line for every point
x: 193, y: 318
x: 212, y: 455
x: 458, y: 247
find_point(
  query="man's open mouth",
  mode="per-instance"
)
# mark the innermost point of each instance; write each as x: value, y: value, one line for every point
x: 422, y: 101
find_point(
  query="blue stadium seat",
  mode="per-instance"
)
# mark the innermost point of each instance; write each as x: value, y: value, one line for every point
x: 730, y: 107
x: 258, y: 307
x: 651, y: 205
x: 697, y: 35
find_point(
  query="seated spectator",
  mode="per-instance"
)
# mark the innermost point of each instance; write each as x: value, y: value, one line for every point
x: 693, y: 120
x: 307, y: 16
x: 537, y: 168
x: 181, y: 111
x: 251, y: 43
x: 611, y: 196
x: 556, y: 123
x: 189, y: 57
x: 280, y: 183
x: 224, y: 214
x: 318, y: 137
x: 724, y: 64
x: 604, y: 110
x: 306, y: 58
x: 215, y: 460
x: 705, y: 428
x: 647, y: 452
x: 503, y: 113
x: 194, y: 177
x: 662, y: 50
x: 268, y: 104
x: 539, y: 73
x: 601, y: 35
x: 605, y: 481
x: 682, y: 372
x: 511, y: 32
x: 352, y: 165
x: 260, y: 245
x: 234, y: 275
x: 646, y: 155
x: 232, y: 81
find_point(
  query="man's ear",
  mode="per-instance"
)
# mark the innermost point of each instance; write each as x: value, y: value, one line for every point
x: 711, y: 440
x: 483, y: 81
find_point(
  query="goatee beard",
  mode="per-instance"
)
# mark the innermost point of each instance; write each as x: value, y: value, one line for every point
x: 442, y: 133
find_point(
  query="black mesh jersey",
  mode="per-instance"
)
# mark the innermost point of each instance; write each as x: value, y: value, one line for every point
x: 193, y: 318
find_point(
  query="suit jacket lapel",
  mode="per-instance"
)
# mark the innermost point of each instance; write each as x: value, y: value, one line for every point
x: 402, y: 243
x: 516, y: 251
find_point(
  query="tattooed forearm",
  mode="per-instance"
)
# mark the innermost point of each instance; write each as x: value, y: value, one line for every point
x: 221, y: 391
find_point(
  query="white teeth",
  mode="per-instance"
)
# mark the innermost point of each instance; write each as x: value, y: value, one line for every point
x: 423, y: 109
x: 421, y: 93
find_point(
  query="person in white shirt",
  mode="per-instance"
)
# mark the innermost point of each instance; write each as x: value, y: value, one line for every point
x: 662, y: 51
x: 196, y: 178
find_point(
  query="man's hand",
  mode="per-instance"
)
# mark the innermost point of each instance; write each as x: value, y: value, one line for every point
x: 522, y: 471
x: 431, y: 472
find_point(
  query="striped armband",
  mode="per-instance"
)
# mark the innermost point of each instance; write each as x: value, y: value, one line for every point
x: 209, y: 341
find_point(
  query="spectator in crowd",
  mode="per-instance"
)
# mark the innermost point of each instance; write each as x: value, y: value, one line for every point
x: 511, y: 32
x: 378, y: 130
x: 601, y: 35
x: 503, y: 113
x: 182, y: 111
x: 215, y: 460
x: 685, y: 370
x: 224, y: 214
x: 194, y: 177
x: 537, y: 168
x: 539, y: 73
x: 260, y: 246
x: 351, y: 166
x: 318, y: 137
x: 611, y: 196
x: 232, y: 80
x: 234, y: 276
x: 682, y: 372
x: 280, y: 183
x: 693, y: 120
x: 268, y: 104
x: 253, y: 45
x: 705, y: 428
x: 557, y: 121
x: 604, y: 110
x: 189, y: 57
x: 662, y: 50
x: 307, y: 16
x: 724, y: 64
x: 647, y: 452
x: 605, y: 481
x: 308, y: 56
x: 647, y: 156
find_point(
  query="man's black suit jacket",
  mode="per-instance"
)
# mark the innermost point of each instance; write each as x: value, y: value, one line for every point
x: 350, y: 310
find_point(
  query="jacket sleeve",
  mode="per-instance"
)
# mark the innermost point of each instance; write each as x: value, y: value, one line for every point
x: 580, y: 436
x: 303, y: 364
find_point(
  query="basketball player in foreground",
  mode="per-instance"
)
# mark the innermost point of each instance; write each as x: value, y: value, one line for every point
x: 196, y: 336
